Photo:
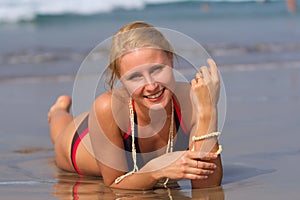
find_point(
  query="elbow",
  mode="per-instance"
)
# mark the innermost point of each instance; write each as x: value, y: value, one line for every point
x: 214, y: 180
x: 108, y: 183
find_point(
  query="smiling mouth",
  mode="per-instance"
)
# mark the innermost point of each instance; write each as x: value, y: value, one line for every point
x: 154, y: 96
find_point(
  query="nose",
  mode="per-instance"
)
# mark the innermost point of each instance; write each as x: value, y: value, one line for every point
x: 150, y: 83
x: 151, y: 87
x: 149, y: 79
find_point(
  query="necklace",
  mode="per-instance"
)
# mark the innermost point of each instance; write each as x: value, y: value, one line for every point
x: 133, y: 151
x: 171, y: 138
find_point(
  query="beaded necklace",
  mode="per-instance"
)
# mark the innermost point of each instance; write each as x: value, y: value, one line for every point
x: 133, y: 152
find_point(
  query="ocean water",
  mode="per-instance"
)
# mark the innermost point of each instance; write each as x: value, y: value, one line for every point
x: 51, y: 38
x: 30, y: 10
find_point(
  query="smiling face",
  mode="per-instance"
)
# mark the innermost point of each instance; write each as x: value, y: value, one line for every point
x: 147, y: 75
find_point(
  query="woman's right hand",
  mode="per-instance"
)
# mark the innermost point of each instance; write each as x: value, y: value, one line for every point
x: 181, y: 165
x: 206, y: 85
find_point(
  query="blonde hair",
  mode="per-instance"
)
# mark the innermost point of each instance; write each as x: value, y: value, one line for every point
x: 131, y: 36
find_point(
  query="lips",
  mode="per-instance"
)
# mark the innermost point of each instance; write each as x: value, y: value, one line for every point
x: 156, y: 95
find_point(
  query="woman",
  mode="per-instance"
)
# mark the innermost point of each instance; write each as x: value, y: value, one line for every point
x: 149, y: 130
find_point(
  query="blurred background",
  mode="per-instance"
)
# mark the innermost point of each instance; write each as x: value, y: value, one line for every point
x: 256, y: 44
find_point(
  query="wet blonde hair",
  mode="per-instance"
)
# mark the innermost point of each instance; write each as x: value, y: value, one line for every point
x: 131, y: 36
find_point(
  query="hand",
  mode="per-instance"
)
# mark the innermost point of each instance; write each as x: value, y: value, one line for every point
x: 182, y: 165
x: 189, y: 166
x: 206, y: 85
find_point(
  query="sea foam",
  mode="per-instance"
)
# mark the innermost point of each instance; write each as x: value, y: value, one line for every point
x: 12, y: 11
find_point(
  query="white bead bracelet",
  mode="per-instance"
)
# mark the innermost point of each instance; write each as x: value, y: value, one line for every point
x: 203, y: 137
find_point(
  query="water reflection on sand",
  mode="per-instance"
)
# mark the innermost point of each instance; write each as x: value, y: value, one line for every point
x: 40, y: 172
x: 72, y: 186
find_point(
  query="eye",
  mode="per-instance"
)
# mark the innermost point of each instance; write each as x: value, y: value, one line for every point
x: 156, y: 68
x: 134, y: 76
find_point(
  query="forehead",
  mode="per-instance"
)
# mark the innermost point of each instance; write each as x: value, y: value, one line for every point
x: 143, y: 57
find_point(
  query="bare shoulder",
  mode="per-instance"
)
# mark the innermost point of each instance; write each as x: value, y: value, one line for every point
x: 111, y: 109
x: 111, y: 100
x: 103, y: 102
x: 102, y: 108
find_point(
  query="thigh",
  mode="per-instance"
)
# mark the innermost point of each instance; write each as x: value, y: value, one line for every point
x: 63, y: 143
x: 85, y: 159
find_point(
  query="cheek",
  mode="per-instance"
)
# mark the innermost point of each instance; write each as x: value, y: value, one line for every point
x: 133, y: 87
x: 166, y: 78
x: 136, y: 93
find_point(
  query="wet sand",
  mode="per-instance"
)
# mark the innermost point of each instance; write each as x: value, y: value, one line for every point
x: 260, y: 140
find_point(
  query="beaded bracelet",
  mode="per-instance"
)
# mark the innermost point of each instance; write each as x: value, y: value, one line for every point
x: 207, y: 136
x: 203, y: 137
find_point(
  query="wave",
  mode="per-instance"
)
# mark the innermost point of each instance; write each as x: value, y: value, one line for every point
x: 28, y: 10
x: 50, y: 55
x: 12, y: 11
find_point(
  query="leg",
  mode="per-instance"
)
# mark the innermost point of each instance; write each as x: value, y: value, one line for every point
x: 62, y: 129
x: 59, y: 117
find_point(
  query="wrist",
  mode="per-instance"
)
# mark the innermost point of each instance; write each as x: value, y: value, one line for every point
x: 157, y: 175
x: 207, y: 122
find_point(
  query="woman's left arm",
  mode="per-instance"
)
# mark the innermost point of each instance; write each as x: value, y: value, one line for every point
x: 206, y: 89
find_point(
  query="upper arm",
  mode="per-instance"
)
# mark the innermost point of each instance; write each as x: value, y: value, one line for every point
x: 106, y: 140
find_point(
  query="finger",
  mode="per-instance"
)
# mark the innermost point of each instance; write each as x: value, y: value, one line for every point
x: 206, y: 165
x: 195, y: 177
x: 209, y: 156
x: 200, y: 80
x: 193, y: 82
x: 204, y: 171
x: 212, y: 65
x: 214, y: 69
x: 196, y: 163
x: 198, y: 171
x: 205, y: 71
x: 206, y: 74
x: 199, y: 164
x: 199, y: 75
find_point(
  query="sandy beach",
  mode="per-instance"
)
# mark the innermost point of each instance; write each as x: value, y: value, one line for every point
x: 260, y: 140
x: 257, y: 47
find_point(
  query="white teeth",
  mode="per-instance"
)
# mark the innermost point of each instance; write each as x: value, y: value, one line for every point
x: 155, y: 95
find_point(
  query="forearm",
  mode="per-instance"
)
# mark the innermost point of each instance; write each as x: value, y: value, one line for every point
x: 207, y: 121
x: 207, y: 124
x: 146, y: 177
x: 164, y: 166
x: 137, y: 181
